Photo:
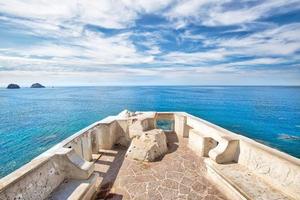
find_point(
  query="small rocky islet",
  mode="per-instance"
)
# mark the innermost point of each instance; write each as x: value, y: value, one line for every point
x: 37, y: 85
x: 13, y: 86
x: 16, y: 86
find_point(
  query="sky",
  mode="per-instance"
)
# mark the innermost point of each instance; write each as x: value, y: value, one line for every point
x: 150, y: 42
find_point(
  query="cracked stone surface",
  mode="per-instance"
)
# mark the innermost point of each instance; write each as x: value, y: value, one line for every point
x: 178, y: 175
x: 149, y: 146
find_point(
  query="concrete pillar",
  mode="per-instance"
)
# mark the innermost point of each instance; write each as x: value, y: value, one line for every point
x: 86, y: 142
x: 95, y: 140
x: 77, y: 146
x: 105, y: 141
x: 180, y: 126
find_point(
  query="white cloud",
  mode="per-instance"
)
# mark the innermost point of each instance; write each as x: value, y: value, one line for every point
x: 283, y: 40
x: 216, y: 12
x: 194, y: 58
x: 105, y: 13
x: 147, y: 6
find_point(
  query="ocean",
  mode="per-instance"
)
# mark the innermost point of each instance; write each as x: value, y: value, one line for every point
x: 33, y: 120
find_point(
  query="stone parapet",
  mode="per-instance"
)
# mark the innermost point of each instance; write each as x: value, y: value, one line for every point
x: 228, y: 156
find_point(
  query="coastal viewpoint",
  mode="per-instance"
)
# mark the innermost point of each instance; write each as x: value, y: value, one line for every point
x: 149, y: 100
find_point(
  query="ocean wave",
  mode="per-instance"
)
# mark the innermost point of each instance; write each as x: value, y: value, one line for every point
x: 284, y: 136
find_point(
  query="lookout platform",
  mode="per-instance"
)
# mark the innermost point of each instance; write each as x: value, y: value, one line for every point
x: 190, y: 159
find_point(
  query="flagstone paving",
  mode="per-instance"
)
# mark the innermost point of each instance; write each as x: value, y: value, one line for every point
x: 178, y: 175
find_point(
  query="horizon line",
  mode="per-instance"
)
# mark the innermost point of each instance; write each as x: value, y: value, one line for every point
x: 180, y: 85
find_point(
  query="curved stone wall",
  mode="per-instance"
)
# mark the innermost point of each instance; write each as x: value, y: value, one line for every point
x: 38, y: 178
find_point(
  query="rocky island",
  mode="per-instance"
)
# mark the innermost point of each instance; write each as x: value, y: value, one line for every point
x: 37, y: 85
x: 13, y: 86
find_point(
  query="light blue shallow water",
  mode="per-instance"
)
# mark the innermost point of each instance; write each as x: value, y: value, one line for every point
x: 33, y: 120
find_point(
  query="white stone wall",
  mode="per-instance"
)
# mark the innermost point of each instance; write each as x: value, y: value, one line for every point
x: 37, y: 184
x: 38, y: 178
x: 275, y: 169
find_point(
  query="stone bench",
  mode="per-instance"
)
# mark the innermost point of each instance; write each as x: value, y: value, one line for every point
x: 73, y: 189
x: 73, y: 165
x: 242, y: 183
x: 226, y: 150
x: 61, y: 175
x: 200, y: 143
x: 80, y: 182
x: 221, y: 150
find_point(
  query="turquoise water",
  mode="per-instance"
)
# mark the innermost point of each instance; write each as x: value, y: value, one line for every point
x: 33, y: 120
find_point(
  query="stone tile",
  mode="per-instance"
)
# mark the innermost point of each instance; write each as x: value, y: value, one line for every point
x: 198, y: 187
x: 168, y: 194
x: 136, y: 189
x: 176, y: 176
x: 194, y: 196
x: 184, y: 189
x: 141, y: 196
x: 192, y: 174
x: 154, y: 195
x: 169, y: 183
x: 159, y: 175
x: 187, y: 181
x: 182, y: 197
x: 144, y: 178
x: 152, y: 186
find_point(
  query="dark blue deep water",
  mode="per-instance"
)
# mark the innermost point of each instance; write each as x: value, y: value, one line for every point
x: 33, y: 120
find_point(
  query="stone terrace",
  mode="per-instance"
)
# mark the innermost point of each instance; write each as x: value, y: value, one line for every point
x: 180, y: 174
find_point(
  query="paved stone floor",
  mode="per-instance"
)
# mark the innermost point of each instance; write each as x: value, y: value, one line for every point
x: 178, y: 175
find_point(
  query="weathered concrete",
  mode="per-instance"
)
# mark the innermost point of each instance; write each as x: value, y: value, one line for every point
x: 240, y: 167
x: 35, y: 180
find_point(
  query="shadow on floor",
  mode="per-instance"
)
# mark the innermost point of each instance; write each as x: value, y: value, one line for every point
x: 172, y: 142
x: 107, y: 167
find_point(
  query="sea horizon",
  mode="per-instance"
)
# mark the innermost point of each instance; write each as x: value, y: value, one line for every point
x: 138, y: 85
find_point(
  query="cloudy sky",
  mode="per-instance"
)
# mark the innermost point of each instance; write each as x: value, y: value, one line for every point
x: 150, y: 42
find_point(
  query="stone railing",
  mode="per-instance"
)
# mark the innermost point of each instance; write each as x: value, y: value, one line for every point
x: 210, y: 141
x: 69, y: 159
x: 73, y: 157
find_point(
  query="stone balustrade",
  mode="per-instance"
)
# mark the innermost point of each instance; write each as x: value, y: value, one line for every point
x: 72, y: 159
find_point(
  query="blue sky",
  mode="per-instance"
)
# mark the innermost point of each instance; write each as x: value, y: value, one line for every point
x: 141, y: 42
